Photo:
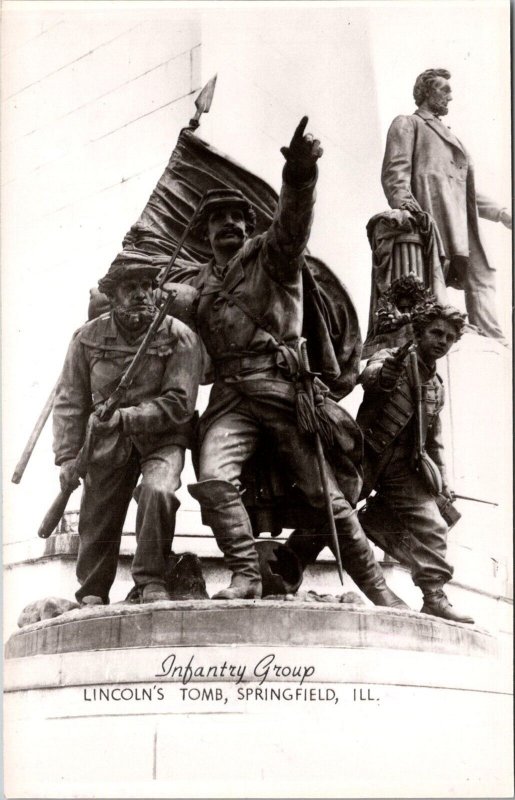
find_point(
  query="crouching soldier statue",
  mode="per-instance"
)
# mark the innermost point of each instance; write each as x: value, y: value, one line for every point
x: 147, y: 434
x: 404, y: 517
x: 249, y: 317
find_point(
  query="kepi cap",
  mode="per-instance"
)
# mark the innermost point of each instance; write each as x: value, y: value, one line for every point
x: 129, y: 264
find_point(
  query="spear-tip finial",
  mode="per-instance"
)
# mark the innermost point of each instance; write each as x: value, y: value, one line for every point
x: 203, y: 102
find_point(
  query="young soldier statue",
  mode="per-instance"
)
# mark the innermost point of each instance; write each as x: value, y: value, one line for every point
x: 147, y: 434
x: 388, y: 417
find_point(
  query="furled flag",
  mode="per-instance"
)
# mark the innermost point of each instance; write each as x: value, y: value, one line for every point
x: 330, y: 320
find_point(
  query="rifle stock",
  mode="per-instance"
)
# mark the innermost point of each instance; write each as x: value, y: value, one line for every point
x: 428, y: 469
x: 54, y: 513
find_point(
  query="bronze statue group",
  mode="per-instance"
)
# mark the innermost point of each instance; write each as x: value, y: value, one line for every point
x: 273, y: 416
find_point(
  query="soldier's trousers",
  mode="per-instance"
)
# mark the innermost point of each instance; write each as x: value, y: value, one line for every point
x: 233, y: 438
x: 424, y: 549
x: 105, y: 500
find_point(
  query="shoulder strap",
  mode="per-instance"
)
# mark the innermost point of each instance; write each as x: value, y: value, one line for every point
x: 256, y: 319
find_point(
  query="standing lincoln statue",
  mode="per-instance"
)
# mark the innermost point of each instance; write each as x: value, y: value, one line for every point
x: 426, y: 167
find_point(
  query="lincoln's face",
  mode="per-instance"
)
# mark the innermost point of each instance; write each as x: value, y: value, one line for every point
x: 439, y: 96
x: 226, y: 227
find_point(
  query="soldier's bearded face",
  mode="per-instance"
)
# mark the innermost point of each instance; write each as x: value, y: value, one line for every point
x: 133, y: 302
x: 439, y: 97
x: 226, y: 228
x: 436, y: 340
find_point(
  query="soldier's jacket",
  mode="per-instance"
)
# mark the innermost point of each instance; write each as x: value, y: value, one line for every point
x: 388, y: 416
x: 266, y: 274
x: 158, y: 408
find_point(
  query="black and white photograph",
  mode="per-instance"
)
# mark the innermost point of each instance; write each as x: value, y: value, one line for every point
x: 256, y: 267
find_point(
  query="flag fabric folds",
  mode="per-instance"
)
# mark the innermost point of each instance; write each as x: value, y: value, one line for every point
x: 330, y: 321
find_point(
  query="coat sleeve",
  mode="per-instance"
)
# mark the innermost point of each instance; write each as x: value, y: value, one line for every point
x: 397, y: 162
x: 72, y: 405
x: 287, y: 236
x: 175, y: 405
x: 370, y: 378
x: 487, y: 208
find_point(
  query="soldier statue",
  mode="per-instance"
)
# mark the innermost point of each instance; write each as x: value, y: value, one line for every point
x: 405, y: 505
x: 427, y: 168
x: 146, y: 435
x: 249, y: 317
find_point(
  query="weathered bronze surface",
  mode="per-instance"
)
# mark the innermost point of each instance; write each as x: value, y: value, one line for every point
x: 427, y: 168
x: 147, y: 433
x: 404, y: 454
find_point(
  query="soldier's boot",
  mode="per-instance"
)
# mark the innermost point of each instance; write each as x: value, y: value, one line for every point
x: 153, y: 593
x: 224, y: 512
x: 359, y: 561
x: 437, y: 604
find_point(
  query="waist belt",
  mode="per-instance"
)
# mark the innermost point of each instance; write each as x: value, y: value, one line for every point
x: 234, y: 364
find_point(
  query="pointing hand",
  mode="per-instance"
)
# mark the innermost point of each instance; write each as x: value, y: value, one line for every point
x: 302, y: 154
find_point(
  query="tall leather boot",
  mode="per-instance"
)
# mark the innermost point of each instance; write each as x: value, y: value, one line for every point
x: 224, y: 512
x: 437, y: 604
x: 359, y: 561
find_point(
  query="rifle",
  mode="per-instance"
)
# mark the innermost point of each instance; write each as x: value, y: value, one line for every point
x: 307, y: 376
x: 428, y: 469
x: 34, y: 436
x: 403, y: 352
x: 202, y: 105
x: 106, y: 410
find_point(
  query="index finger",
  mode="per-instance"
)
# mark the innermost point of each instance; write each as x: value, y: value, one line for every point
x: 301, y: 127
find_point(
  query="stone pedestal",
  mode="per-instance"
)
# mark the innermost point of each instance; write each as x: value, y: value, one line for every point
x: 144, y: 693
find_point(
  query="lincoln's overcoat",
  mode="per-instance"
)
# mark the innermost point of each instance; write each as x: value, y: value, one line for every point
x: 425, y: 160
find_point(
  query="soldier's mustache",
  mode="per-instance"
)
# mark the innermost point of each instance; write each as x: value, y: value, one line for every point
x: 229, y: 229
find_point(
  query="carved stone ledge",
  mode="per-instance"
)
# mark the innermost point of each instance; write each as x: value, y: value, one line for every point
x: 248, y: 622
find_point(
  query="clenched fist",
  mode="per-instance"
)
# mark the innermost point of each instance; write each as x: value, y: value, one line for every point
x: 505, y: 218
x: 390, y: 372
x: 67, y: 476
x: 99, y: 428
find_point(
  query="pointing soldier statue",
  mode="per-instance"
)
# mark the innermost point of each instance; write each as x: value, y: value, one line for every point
x: 250, y: 318
x: 147, y: 434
